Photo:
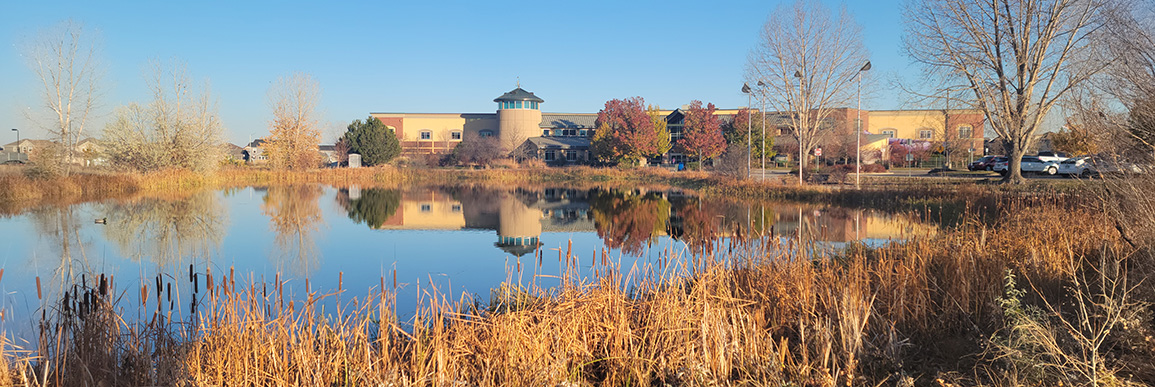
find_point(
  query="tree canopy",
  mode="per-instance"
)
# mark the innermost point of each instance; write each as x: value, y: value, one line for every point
x: 375, y: 142
x: 626, y: 133
x: 703, y: 132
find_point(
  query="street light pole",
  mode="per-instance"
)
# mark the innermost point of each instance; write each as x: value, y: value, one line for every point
x: 763, y: 111
x: 17, y: 141
x: 858, y: 132
x: 749, y: 133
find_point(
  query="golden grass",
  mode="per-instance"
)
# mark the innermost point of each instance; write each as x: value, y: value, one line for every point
x: 754, y: 316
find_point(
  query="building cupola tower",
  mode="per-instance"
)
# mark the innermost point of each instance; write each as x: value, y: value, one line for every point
x: 518, y: 117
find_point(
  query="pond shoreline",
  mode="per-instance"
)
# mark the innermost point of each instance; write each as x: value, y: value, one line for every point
x: 18, y: 192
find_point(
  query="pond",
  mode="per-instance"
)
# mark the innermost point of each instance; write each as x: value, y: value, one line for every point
x: 463, y: 240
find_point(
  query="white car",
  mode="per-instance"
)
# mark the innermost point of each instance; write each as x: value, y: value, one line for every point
x: 1030, y: 164
x: 1096, y: 166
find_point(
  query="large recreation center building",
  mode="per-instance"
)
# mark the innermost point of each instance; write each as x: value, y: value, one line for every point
x: 564, y: 138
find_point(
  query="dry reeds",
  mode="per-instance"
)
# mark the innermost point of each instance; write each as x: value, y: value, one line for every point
x: 763, y: 314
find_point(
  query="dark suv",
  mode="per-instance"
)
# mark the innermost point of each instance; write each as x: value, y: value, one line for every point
x: 986, y: 163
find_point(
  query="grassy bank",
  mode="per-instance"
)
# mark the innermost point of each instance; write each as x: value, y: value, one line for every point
x: 1039, y: 299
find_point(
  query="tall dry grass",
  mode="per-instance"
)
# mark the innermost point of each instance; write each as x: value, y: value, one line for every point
x: 764, y: 313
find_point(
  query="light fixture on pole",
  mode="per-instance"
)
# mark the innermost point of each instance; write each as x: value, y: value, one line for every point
x: 17, y: 139
x: 749, y: 141
x: 763, y: 111
x: 858, y: 131
x: 797, y: 130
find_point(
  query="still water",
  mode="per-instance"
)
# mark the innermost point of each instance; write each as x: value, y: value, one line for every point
x: 461, y: 240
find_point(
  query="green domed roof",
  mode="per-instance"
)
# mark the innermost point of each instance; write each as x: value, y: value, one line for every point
x: 518, y: 94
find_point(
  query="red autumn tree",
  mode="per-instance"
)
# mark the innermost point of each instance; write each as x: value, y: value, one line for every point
x: 625, y: 133
x: 703, y: 137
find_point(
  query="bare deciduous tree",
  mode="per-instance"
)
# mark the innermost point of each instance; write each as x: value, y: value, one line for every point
x: 295, y: 134
x: 807, y: 61
x: 179, y: 128
x: 65, y: 61
x: 1017, y: 58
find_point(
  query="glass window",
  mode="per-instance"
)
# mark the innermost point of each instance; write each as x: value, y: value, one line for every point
x: 924, y: 134
x: 517, y: 105
x: 965, y: 131
x: 545, y: 132
x: 426, y: 135
x: 888, y: 133
x: 426, y: 208
x: 549, y: 156
x: 570, y: 155
x: 456, y: 208
x: 583, y: 133
x: 485, y: 133
x: 456, y: 134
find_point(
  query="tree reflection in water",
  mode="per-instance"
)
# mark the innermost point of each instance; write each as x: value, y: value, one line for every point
x: 59, y: 227
x: 629, y: 220
x: 372, y: 206
x: 167, y: 231
x: 294, y: 215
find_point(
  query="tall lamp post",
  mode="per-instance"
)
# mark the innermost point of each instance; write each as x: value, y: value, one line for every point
x: 749, y: 133
x: 762, y: 86
x: 798, y: 131
x: 858, y: 132
x: 17, y: 140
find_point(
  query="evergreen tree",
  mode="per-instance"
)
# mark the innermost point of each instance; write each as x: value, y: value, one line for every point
x: 375, y: 142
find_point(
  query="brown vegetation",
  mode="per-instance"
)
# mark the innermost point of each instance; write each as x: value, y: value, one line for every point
x: 975, y: 306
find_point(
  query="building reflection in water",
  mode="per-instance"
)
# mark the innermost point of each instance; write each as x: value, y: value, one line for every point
x: 629, y: 220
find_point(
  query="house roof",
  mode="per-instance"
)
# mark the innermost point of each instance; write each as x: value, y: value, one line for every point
x: 560, y: 142
x: 569, y: 121
x: 327, y: 148
x: 518, y: 94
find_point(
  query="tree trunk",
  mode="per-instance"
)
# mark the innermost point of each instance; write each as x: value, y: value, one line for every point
x: 1015, y: 166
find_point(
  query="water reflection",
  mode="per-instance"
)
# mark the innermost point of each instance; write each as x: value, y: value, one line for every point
x: 58, y: 227
x: 166, y: 231
x: 294, y: 216
x: 629, y: 220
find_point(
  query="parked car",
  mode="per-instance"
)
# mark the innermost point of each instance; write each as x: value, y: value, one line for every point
x: 986, y: 163
x: 1000, y: 164
x: 1074, y: 166
x: 1089, y: 166
x: 1029, y: 164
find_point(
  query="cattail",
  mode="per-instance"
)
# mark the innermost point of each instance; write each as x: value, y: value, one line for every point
x: 159, y: 288
x: 196, y: 284
x: 168, y: 292
x: 340, y: 280
x: 394, y: 278
x: 38, y: 294
x: 103, y: 286
x: 1, y: 274
x: 306, y: 285
x: 144, y: 295
x: 190, y: 272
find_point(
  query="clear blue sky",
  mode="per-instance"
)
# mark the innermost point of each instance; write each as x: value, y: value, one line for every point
x: 415, y: 56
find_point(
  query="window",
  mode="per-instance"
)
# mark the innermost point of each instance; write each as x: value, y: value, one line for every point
x: 456, y: 134
x: 485, y: 133
x: 549, y: 156
x: 889, y: 133
x: 583, y: 133
x: 426, y: 134
x: 965, y: 131
x: 924, y: 134
x: 570, y: 132
x: 545, y: 132
x: 426, y: 208
x: 456, y: 208
x: 517, y: 104
x: 570, y: 155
